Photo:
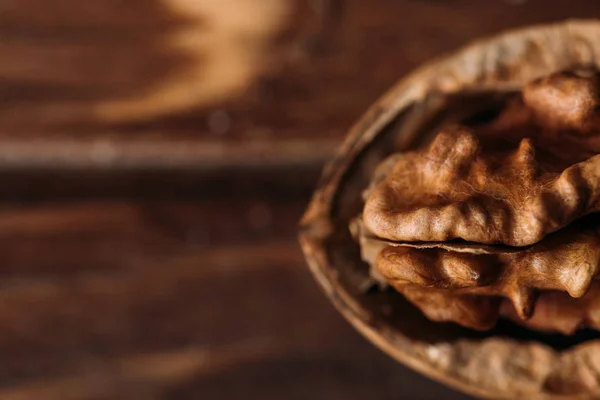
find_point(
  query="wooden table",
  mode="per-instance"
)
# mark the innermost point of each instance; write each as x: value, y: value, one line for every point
x: 155, y: 157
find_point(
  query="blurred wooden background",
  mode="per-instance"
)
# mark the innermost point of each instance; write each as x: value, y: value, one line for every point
x: 155, y: 157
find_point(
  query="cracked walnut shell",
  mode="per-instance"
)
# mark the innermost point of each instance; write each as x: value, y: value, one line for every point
x: 472, y: 192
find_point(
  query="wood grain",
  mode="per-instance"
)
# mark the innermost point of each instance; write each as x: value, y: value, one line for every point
x: 171, y: 300
x: 93, y: 77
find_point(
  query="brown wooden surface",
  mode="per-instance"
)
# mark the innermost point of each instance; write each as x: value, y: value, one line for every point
x: 155, y: 157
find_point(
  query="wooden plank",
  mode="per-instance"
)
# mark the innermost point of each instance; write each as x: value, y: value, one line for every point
x: 126, y: 89
x: 118, y: 299
x: 69, y: 64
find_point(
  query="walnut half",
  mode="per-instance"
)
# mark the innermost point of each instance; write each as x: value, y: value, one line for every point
x: 525, y: 184
x: 472, y: 195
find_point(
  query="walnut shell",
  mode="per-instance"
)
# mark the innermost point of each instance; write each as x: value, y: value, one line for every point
x: 508, y: 361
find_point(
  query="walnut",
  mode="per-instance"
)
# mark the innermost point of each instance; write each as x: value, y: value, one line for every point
x: 557, y: 312
x: 564, y: 261
x: 493, y: 188
x: 458, y: 228
x: 456, y: 189
x: 566, y: 101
